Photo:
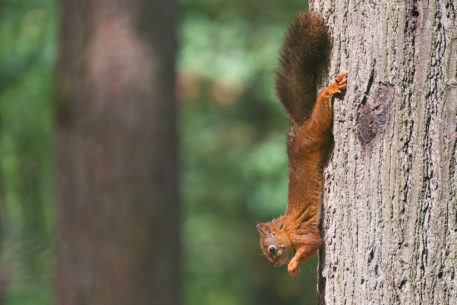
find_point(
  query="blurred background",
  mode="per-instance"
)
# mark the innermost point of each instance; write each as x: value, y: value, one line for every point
x: 233, y: 163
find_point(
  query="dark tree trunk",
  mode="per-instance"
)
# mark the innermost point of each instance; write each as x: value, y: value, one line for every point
x: 115, y: 153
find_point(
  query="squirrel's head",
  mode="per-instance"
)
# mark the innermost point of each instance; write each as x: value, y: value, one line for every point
x: 274, y: 242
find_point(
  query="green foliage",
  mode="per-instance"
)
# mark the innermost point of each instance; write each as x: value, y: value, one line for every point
x: 234, y: 162
x: 27, y: 58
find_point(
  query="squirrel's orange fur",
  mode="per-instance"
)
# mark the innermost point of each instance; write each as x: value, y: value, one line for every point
x: 309, y: 141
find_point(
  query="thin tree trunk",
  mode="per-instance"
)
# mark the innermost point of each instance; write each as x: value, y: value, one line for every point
x: 115, y: 154
x: 389, y: 216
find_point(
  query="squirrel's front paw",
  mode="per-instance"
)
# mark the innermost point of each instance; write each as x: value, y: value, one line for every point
x: 292, y: 268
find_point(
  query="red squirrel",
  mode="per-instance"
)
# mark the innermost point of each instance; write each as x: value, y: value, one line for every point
x: 309, y: 141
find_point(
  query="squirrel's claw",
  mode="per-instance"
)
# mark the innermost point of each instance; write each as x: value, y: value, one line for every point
x: 340, y: 78
x: 341, y: 82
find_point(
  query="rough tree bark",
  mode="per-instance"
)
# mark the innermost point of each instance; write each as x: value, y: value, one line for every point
x: 389, y: 216
x: 115, y: 154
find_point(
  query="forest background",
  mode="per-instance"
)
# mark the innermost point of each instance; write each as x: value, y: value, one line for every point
x: 233, y: 163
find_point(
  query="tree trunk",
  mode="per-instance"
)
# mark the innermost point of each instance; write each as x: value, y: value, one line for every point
x: 389, y: 215
x: 115, y: 153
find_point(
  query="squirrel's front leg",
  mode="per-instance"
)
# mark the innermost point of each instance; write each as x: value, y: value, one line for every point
x: 306, y: 246
x: 301, y: 255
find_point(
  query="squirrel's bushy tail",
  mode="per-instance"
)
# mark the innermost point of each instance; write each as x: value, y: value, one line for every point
x: 304, y: 48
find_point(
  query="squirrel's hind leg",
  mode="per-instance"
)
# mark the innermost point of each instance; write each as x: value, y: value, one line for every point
x: 320, y: 121
x: 337, y: 87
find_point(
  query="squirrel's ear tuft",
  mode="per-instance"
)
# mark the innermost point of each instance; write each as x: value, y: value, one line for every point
x: 262, y: 228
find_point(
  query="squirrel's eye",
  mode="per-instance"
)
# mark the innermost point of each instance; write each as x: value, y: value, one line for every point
x: 272, y: 249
